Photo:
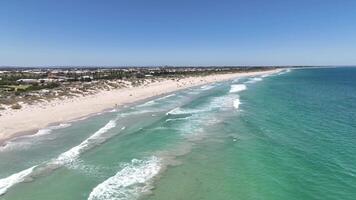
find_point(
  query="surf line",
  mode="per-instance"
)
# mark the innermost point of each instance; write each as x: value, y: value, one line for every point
x: 22, y: 140
x: 130, y: 182
x: 63, y: 159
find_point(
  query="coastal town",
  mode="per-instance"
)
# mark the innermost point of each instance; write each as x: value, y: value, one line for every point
x: 26, y: 86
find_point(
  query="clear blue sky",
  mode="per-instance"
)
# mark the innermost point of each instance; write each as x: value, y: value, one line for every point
x: 177, y: 32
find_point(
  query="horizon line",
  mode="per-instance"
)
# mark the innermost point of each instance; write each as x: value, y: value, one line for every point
x: 148, y: 66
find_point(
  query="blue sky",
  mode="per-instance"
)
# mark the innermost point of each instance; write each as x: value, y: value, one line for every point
x: 177, y: 32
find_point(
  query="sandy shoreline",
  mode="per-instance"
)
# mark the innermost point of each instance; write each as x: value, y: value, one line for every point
x: 34, y: 117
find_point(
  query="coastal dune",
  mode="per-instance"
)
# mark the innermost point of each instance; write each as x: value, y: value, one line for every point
x: 31, y: 118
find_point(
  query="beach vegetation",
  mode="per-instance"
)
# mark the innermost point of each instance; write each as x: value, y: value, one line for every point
x: 16, y: 106
x: 40, y: 84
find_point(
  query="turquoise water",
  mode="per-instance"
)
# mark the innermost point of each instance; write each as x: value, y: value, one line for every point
x: 286, y: 136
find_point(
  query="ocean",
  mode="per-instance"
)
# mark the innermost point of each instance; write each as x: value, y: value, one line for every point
x: 290, y: 135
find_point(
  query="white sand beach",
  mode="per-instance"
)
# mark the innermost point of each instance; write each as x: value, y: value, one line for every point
x: 30, y: 118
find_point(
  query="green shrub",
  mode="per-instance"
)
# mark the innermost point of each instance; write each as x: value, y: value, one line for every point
x: 16, y: 106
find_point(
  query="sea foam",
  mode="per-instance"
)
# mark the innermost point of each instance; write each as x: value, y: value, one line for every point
x: 284, y: 71
x: 14, y: 179
x: 165, y: 97
x: 181, y: 111
x: 63, y: 159
x: 254, y: 80
x: 128, y: 183
x: 177, y: 119
x: 72, y: 154
x: 236, y: 103
x: 207, y: 87
x: 148, y: 103
x: 50, y: 129
x: 23, y: 142
x: 154, y: 101
x: 237, y: 88
x: 175, y: 111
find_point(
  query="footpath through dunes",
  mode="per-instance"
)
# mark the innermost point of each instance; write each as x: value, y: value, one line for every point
x: 145, y: 138
x: 35, y: 117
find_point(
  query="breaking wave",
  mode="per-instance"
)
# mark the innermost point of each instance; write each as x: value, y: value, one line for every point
x: 154, y: 101
x: 177, y: 119
x: 284, y: 71
x: 236, y: 103
x: 165, y: 97
x: 182, y: 111
x: 254, y: 80
x: 237, y: 88
x: 148, y: 103
x: 50, y: 129
x: 63, y: 159
x: 25, y: 141
x: 14, y: 179
x: 216, y: 103
x: 207, y: 87
x: 129, y: 182
x: 95, y: 139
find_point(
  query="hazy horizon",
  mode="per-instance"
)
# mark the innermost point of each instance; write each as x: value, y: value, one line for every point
x: 184, y: 66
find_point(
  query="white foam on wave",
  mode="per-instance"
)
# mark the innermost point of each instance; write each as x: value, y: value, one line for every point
x: 174, y: 111
x: 206, y: 87
x: 183, y: 111
x: 113, y: 110
x: 236, y: 103
x: 200, y: 117
x: 16, y: 145
x: 237, y: 88
x: 220, y: 103
x: 14, y: 179
x: 177, y: 119
x: 148, y: 103
x: 128, y: 183
x: 165, y: 97
x: 23, y: 142
x: 284, y: 71
x: 73, y: 153
x: 50, y: 129
x: 236, y: 80
x: 254, y: 80
x: 135, y: 112
x: 177, y: 111
x: 65, y: 158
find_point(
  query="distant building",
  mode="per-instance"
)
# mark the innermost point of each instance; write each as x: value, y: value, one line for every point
x: 51, y: 80
x: 28, y: 81
x: 86, y: 78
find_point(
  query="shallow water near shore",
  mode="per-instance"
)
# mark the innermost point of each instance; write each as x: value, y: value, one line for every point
x: 285, y: 136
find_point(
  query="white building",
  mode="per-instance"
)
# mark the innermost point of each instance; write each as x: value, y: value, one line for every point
x: 28, y: 81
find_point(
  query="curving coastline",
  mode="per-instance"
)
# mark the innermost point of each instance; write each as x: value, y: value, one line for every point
x: 31, y: 118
